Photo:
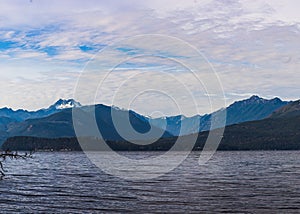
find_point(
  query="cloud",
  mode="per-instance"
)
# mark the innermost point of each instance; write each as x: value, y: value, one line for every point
x: 253, y: 46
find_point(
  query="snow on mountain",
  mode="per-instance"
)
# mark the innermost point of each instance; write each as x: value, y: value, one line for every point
x: 21, y: 115
x: 63, y: 104
x: 253, y: 108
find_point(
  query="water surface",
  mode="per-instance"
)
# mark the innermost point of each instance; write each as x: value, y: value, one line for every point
x: 247, y: 182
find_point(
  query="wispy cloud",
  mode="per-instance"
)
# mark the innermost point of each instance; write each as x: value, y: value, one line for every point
x: 253, y: 46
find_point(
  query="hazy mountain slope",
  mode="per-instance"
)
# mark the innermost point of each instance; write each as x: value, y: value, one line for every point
x: 21, y: 115
x: 290, y: 110
x: 61, y: 125
x: 5, y: 121
x: 280, y: 133
x: 254, y: 108
x: 10, y: 118
x: 273, y: 133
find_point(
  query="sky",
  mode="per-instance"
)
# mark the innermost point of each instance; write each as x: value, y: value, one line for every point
x: 158, y: 57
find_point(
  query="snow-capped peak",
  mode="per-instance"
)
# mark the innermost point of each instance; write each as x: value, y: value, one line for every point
x: 63, y: 104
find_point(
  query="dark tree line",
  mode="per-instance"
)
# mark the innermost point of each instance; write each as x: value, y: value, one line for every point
x: 268, y: 134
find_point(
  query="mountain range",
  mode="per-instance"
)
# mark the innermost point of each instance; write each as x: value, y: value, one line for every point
x: 254, y: 108
x: 56, y: 121
x: 9, y: 117
x: 279, y: 131
x: 60, y: 124
x: 21, y: 115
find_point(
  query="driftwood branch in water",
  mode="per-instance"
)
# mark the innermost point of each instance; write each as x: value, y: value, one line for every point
x: 12, y: 155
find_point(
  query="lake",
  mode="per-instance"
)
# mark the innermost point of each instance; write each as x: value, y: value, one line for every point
x: 67, y: 182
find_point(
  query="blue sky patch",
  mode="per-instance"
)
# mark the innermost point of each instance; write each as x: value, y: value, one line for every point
x: 4, y: 45
x: 85, y: 48
x: 51, y: 50
x: 91, y: 47
x: 128, y: 50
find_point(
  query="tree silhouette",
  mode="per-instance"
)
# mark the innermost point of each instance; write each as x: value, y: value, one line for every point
x: 12, y: 155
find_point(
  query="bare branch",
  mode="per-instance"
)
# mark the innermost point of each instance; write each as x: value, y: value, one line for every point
x: 11, y: 155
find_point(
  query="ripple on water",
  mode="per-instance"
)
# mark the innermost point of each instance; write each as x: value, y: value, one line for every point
x: 230, y: 182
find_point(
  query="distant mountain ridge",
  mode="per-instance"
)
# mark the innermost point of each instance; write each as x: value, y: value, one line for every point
x: 280, y: 131
x: 9, y: 117
x: 20, y: 114
x: 290, y: 110
x: 61, y: 124
x: 56, y: 121
x: 253, y: 108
